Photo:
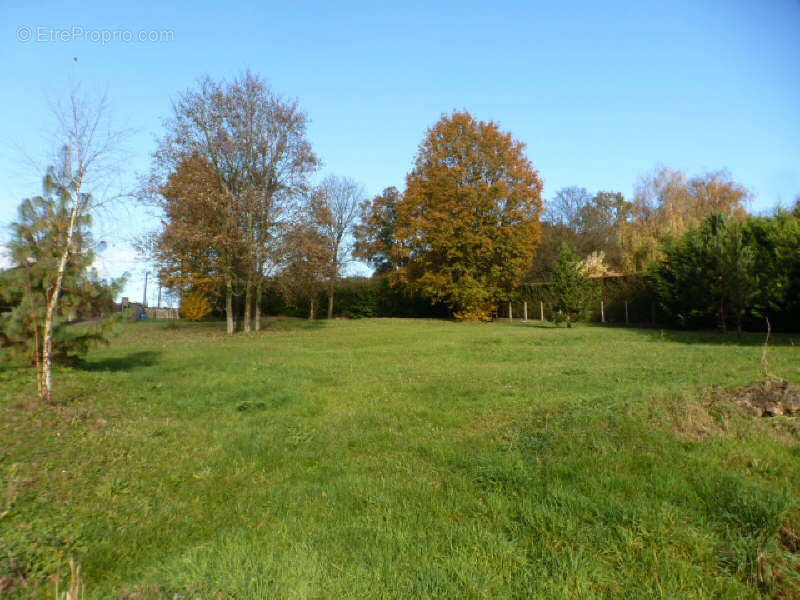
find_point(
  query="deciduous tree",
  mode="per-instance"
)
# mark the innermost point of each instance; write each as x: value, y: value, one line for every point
x: 667, y: 203
x: 376, y: 232
x: 199, y: 246
x: 335, y: 208
x: 255, y: 142
x: 468, y: 224
x: 305, y: 260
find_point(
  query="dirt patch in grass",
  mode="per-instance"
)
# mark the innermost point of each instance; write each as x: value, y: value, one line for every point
x: 768, y: 398
x: 718, y: 411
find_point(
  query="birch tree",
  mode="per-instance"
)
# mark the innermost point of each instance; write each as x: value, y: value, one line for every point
x: 88, y: 146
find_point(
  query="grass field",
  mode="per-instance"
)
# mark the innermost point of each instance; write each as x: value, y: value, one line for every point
x: 402, y: 458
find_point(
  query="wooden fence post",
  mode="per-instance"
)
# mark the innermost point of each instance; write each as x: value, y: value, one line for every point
x: 541, y: 311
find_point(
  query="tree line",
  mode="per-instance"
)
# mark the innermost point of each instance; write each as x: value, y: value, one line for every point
x: 469, y: 230
x: 243, y: 221
x: 232, y: 179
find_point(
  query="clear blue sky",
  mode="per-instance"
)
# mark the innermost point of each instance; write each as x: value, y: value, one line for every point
x: 600, y: 93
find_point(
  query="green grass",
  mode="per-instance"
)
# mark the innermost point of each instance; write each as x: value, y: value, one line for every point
x: 401, y: 458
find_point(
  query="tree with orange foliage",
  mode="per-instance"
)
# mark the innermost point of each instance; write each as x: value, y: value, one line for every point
x: 306, y: 260
x: 198, y: 248
x: 468, y: 224
x: 255, y: 142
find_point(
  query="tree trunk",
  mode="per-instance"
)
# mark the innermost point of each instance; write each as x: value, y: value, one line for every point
x: 248, y: 305
x: 257, y: 307
x: 229, y: 306
x: 739, y: 324
x: 311, y: 305
x: 46, y: 374
x: 330, y: 300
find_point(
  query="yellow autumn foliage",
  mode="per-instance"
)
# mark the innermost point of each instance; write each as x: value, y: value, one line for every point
x: 195, y: 306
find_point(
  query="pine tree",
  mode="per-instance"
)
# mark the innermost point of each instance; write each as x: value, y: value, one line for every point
x: 709, y: 272
x: 570, y: 290
x: 35, y: 249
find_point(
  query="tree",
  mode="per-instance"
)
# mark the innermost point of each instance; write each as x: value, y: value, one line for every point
x: 667, y: 203
x: 731, y: 267
x: 775, y: 242
x: 569, y: 290
x: 468, y: 224
x: 376, y: 233
x: 566, y: 207
x: 709, y: 271
x: 199, y: 246
x: 334, y: 209
x: 87, y: 144
x: 255, y: 142
x: 36, y: 249
x: 588, y: 223
x: 195, y: 306
x: 305, y: 261
x: 600, y: 223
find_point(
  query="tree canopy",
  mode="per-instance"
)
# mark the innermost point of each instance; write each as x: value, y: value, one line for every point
x: 468, y: 224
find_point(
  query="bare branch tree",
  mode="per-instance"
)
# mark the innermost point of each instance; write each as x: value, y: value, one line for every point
x: 335, y: 206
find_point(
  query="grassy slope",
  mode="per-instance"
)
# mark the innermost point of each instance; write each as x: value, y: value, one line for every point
x: 389, y: 458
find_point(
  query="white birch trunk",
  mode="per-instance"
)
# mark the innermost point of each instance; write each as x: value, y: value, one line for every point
x: 46, y: 375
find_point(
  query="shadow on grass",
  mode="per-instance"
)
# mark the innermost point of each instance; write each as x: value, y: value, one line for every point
x: 537, y: 324
x: 134, y: 360
x: 292, y: 324
x: 731, y: 338
x: 681, y: 336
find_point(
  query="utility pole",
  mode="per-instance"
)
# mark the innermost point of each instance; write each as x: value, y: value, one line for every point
x: 144, y: 296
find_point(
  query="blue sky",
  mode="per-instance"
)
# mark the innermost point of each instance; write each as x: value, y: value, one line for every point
x: 600, y: 92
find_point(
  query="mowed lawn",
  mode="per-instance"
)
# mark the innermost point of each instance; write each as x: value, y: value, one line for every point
x: 402, y: 458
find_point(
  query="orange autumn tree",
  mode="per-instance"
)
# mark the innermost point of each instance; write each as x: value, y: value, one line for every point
x: 468, y: 224
x: 199, y: 249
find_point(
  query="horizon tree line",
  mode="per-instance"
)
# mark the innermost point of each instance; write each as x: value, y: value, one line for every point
x: 232, y: 177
